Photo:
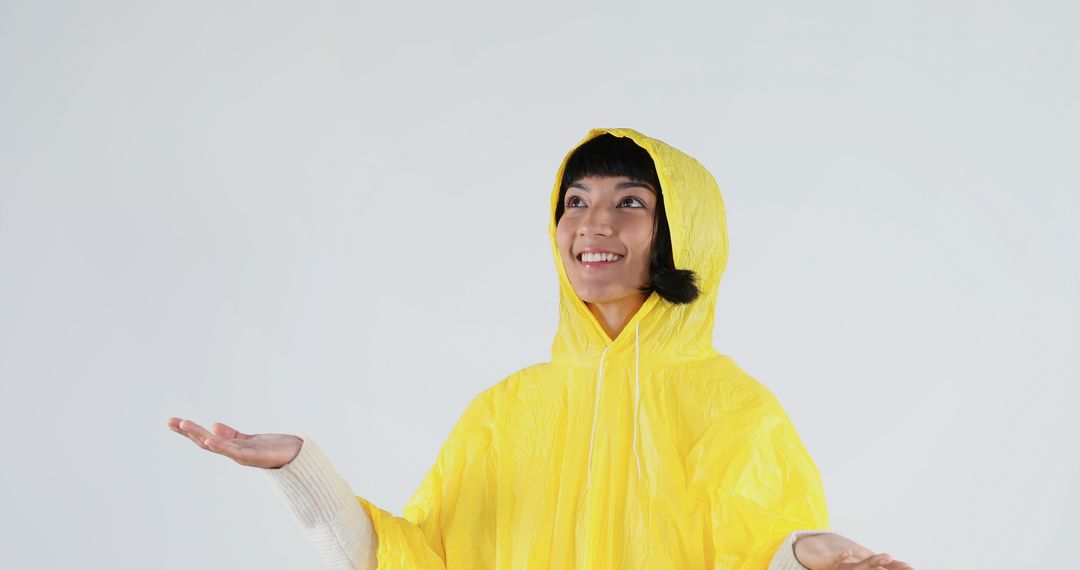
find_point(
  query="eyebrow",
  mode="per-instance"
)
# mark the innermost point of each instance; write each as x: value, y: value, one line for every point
x: 619, y: 186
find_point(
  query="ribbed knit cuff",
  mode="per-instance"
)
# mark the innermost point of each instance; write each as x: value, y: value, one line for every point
x: 332, y: 518
x: 784, y: 559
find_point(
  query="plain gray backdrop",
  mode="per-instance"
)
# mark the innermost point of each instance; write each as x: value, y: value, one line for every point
x: 331, y: 218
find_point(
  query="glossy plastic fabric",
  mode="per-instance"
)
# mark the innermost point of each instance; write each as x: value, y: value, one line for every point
x: 719, y: 477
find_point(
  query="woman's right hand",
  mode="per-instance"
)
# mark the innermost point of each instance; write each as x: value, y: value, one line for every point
x: 265, y: 450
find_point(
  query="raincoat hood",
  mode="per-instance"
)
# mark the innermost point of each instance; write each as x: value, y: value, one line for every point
x: 649, y: 450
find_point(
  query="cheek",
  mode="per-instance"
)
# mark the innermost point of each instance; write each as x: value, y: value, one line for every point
x: 563, y: 239
x: 643, y: 246
x: 643, y: 257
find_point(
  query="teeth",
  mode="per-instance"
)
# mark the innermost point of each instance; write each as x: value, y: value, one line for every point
x: 592, y: 257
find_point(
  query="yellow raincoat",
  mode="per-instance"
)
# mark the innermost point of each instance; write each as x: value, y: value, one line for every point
x: 651, y: 450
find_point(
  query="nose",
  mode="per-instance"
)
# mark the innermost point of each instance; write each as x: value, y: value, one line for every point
x: 596, y: 221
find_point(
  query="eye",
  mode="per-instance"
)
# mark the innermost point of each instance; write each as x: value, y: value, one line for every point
x: 570, y: 201
x: 633, y: 199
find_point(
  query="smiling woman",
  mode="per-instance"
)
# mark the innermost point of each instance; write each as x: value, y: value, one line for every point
x: 638, y: 445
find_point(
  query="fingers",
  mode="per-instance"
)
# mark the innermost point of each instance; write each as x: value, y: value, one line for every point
x: 195, y: 429
x: 196, y: 440
x: 883, y: 560
x: 228, y: 432
x: 192, y: 431
x: 226, y: 447
x: 875, y: 562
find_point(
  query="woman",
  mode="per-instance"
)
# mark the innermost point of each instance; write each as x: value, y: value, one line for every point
x: 637, y: 446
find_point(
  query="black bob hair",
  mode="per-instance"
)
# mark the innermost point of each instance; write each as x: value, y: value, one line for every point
x: 609, y: 155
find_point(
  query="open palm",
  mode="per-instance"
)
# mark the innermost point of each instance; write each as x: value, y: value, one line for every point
x: 830, y: 551
x: 265, y: 450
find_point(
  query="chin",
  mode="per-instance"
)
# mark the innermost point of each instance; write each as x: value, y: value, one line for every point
x: 599, y: 296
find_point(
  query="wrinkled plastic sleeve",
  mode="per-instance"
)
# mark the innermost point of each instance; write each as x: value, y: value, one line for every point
x: 762, y: 486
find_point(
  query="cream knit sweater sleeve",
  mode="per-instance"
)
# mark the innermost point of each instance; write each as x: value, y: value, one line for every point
x: 341, y: 531
x: 326, y: 509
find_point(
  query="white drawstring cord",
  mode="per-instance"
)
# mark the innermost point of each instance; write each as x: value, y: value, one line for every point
x: 637, y: 390
x: 596, y: 408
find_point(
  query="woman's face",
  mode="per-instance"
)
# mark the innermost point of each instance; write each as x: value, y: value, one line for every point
x: 612, y: 215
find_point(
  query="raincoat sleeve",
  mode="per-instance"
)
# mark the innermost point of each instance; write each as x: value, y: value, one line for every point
x: 761, y: 484
x: 451, y: 516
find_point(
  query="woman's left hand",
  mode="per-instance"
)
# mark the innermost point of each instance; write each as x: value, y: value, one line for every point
x: 831, y: 551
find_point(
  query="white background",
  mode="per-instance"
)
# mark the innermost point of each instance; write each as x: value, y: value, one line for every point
x: 330, y: 218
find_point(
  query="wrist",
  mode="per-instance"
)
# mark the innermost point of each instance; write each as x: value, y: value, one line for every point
x: 804, y: 537
x: 795, y: 553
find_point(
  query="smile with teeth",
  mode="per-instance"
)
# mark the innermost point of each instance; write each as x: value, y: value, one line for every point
x: 588, y: 257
